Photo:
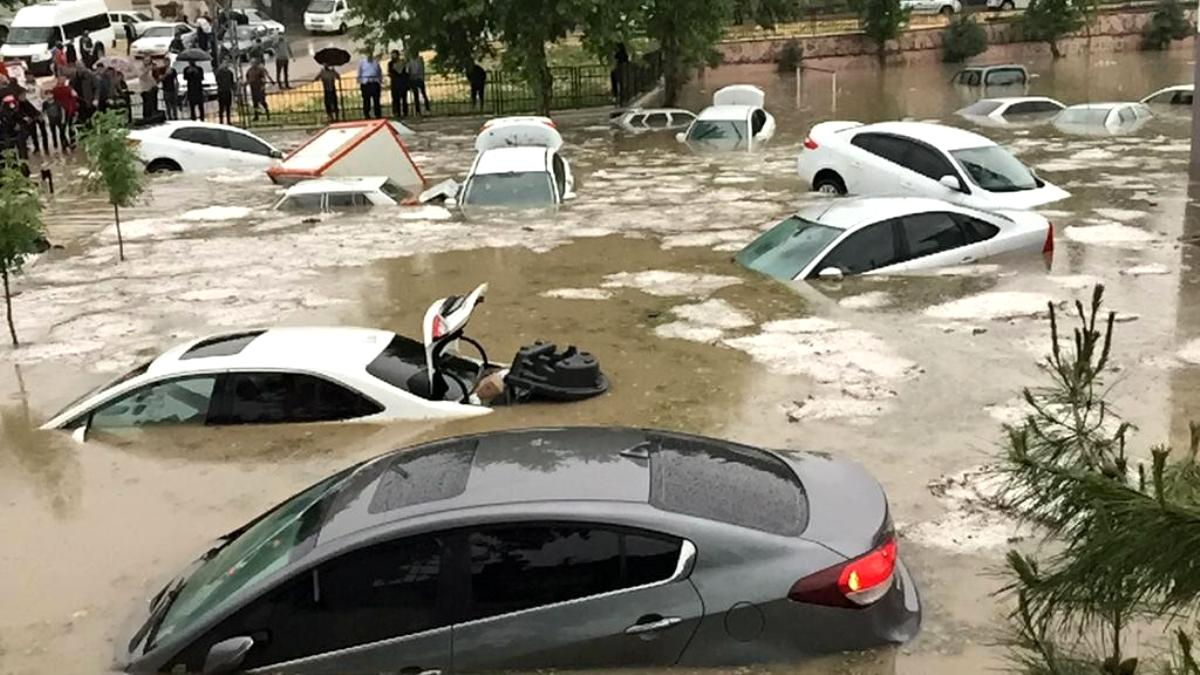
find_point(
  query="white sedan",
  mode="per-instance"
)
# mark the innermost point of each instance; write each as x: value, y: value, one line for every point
x: 156, y: 39
x: 256, y: 18
x: 943, y: 7
x: 1103, y: 119
x: 919, y: 159
x: 1180, y: 94
x: 735, y: 121
x: 201, y: 146
x: 518, y: 165
x: 1011, y: 111
x: 331, y: 194
x: 880, y: 235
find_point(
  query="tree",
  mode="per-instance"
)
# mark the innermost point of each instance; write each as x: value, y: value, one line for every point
x: 20, y: 226
x: 881, y: 20
x: 1167, y: 24
x: 113, y: 165
x: 1126, y: 539
x: 962, y: 39
x: 687, y: 32
x: 1051, y: 20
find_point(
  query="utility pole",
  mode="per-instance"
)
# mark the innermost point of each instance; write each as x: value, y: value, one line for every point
x: 1194, y: 165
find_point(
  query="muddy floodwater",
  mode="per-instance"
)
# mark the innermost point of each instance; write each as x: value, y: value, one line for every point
x: 910, y: 376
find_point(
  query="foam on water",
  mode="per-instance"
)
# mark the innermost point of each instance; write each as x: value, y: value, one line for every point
x: 992, y: 306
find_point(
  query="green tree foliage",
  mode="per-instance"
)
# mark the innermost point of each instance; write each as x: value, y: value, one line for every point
x: 1051, y: 20
x: 766, y: 13
x: 881, y: 20
x: 962, y: 39
x: 113, y: 165
x: 1168, y: 24
x: 790, y: 56
x: 20, y: 226
x: 1126, y: 538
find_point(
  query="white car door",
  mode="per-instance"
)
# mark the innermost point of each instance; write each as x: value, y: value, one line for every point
x: 199, y: 148
x: 249, y: 151
x: 936, y: 239
x: 874, y: 248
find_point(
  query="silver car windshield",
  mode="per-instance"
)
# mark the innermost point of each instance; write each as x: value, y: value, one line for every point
x: 719, y: 134
x: 525, y: 188
x: 995, y: 169
x: 786, y: 249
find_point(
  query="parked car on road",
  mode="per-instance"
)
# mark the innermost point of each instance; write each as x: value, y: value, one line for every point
x: 255, y: 17
x: 885, y: 235
x: 332, y: 194
x: 156, y: 39
x: 735, y: 121
x: 329, y: 16
x: 943, y: 7
x: 1013, y: 111
x: 249, y: 37
x: 140, y: 20
x: 35, y: 29
x: 642, y: 120
x: 919, y: 159
x: 201, y: 146
x: 998, y: 75
x: 545, y: 549
x: 1103, y: 119
x: 518, y: 164
x: 1180, y: 94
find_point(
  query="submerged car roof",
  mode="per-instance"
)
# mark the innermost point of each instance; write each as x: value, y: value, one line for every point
x: 850, y: 212
x: 530, y: 466
x: 512, y: 160
x: 945, y: 137
x: 736, y: 113
x: 319, y: 185
x: 297, y: 348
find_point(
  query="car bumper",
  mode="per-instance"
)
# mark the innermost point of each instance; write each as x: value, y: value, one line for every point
x: 320, y: 27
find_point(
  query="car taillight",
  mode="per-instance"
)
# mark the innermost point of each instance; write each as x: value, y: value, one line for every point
x: 1048, y: 247
x: 855, y: 583
x: 810, y: 144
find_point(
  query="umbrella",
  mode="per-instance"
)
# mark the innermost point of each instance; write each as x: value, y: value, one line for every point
x: 126, y: 66
x: 332, y: 56
x: 193, y: 54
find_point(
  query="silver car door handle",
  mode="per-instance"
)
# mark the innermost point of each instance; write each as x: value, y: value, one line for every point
x: 661, y: 624
x: 968, y: 259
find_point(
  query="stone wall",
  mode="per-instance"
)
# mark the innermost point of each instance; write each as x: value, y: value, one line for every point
x: 1112, y: 31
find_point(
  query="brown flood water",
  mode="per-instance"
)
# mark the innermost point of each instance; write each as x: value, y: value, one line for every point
x: 911, y: 377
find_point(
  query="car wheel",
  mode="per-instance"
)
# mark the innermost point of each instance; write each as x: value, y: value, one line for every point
x: 829, y: 183
x: 947, y: 11
x: 342, y: 29
x: 162, y: 165
x: 1007, y: 4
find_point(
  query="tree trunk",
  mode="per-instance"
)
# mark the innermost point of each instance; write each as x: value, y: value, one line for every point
x: 672, y: 69
x: 120, y: 240
x: 12, y: 330
x: 1054, y: 50
x: 881, y: 53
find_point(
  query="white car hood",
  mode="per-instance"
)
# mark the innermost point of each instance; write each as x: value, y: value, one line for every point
x: 152, y: 43
x: 24, y: 50
x: 1023, y: 199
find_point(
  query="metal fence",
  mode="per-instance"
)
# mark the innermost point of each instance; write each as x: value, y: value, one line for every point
x: 505, y: 93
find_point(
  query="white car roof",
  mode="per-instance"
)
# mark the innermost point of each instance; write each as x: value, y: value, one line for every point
x: 1102, y: 106
x: 727, y: 113
x: 852, y: 212
x: 321, y: 185
x: 1009, y: 100
x: 511, y: 160
x: 939, y: 135
x: 314, y: 349
x: 165, y: 128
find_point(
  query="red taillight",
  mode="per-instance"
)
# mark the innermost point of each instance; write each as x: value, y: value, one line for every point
x: 810, y: 144
x: 1048, y: 247
x: 857, y: 583
x: 439, y: 327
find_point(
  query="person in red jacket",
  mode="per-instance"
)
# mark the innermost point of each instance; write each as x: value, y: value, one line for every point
x: 64, y: 98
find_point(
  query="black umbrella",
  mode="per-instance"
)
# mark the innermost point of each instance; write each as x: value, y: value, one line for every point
x: 193, y: 54
x: 332, y: 56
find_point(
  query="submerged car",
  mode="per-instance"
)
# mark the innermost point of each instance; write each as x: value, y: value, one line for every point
x: 919, y: 159
x: 1103, y: 119
x: 997, y: 75
x: 891, y: 235
x: 735, y: 121
x: 282, y: 375
x: 331, y: 194
x: 642, y: 120
x: 524, y: 550
x: 1012, y: 111
x: 518, y: 165
x: 1180, y: 94
x: 200, y: 146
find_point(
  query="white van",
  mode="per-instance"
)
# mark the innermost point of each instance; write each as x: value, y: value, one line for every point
x: 329, y: 16
x: 36, y: 28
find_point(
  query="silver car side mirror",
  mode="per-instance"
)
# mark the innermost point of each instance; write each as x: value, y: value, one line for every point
x: 79, y: 435
x: 227, y: 655
x: 951, y: 182
x: 831, y: 274
x: 681, y: 137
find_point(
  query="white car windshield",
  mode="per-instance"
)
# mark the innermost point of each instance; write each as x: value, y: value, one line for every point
x: 160, y: 32
x: 1084, y: 116
x: 31, y: 35
x: 719, y: 134
x: 995, y: 169
x: 140, y: 370
x: 524, y: 188
x: 320, y: 6
x: 786, y: 249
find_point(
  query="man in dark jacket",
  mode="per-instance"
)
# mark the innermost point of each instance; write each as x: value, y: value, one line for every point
x: 400, y: 84
x: 168, y: 81
x: 193, y: 75
x: 84, y: 84
x: 226, y: 83
x: 477, y: 77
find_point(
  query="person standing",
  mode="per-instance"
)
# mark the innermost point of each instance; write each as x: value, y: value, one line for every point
x: 193, y: 75
x: 400, y: 83
x: 148, y: 84
x: 67, y: 105
x: 416, y: 73
x: 203, y: 32
x: 104, y: 90
x: 168, y: 81
x: 370, y: 78
x: 257, y: 78
x: 619, y: 73
x: 329, y: 82
x: 226, y: 84
x: 30, y: 102
x: 84, y: 85
x: 87, y: 51
x: 130, y: 36
x: 283, y: 59
x: 477, y: 77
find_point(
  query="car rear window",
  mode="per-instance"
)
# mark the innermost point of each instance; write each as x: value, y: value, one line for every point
x: 982, y: 108
x: 727, y: 483
x: 427, y: 474
x: 225, y: 345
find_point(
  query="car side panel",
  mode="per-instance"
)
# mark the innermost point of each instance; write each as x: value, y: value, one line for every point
x: 430, y: 650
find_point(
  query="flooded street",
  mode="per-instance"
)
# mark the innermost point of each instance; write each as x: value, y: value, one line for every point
x: 911, y: 377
